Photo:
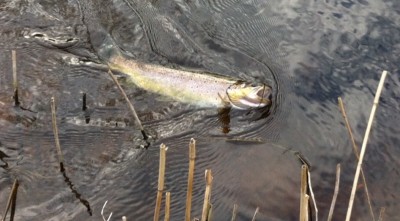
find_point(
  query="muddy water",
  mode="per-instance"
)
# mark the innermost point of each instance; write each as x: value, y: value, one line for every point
x: 310, y: 52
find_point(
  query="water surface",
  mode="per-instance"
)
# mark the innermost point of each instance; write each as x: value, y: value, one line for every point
x: 311, y: 52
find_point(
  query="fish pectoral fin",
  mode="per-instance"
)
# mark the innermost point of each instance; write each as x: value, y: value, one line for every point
x: 161, y: 98
x: 224, y: 118
x: 224, y: 101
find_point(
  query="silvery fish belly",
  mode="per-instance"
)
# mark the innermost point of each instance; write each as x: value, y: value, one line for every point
x: 198, y: 88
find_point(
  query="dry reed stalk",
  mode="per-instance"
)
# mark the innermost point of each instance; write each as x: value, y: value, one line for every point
x: 364, y: 144
x: 132, y: 109
x: 11, y: 199
x: 167, y: 206
x: 350, y: 131
x: 255, y: 214
x: 356, y: 153
x: 307, y: 209
x: 192, y: 157
x: 381, y: 214
x: 234, y: 212
x: 312, y: 194
x: 335, y: 193
x: 161, y: 175
x: 55, y: 131
x: 207, y: 195
x: 210, y: 211
x: 303, y: 193
x: 15, y: 80
x: 102, y: 212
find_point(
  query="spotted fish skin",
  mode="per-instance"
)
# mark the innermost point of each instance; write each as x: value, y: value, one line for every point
x: 198, y: 88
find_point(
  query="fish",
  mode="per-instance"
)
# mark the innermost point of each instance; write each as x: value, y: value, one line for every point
x: 199, y: 88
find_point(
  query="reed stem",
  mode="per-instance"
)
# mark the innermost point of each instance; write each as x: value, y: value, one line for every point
x: 356, y: 153
x: 161, y: 175
x: 381, y: 214
x: 15, y: 80
x: 255, y: 214
x: 55, y: 131
x: 167, y: 206
x: 207, y: 195
x: 335, y: 193
x: 132, y: 109
x: 102, y: 212
x: 312, y: 193
x: 192, y: 157
x: 11, y: 199
x: 364, y: 144
x: 303, y: 194
x: 234, y: 212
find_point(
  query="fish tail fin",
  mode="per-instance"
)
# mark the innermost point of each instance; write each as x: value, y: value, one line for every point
x: 108, y: 49
x: 99, y: 38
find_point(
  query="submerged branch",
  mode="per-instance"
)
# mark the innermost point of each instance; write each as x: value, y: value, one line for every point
x: 132, y: 109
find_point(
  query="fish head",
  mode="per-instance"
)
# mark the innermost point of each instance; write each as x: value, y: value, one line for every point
x: 243, y: 95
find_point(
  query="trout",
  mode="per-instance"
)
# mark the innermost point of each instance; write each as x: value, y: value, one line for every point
x: 193, y: 87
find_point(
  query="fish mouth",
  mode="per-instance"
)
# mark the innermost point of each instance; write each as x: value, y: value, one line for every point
x: 249, y: 96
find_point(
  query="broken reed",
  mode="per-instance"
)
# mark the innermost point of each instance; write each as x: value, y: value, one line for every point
x: 55, y: 131
x: 167, y: 206
x: 255, y: 214
x: 192, y: 157
x: 11, y: 202
x: 303, y: 193
x: 161, y: 175
x: 207, y: 206
x: 335, y: 193
x: 15, y: 80
x: 130, y: 105
x: 207, y: 196
x: 234, y: 212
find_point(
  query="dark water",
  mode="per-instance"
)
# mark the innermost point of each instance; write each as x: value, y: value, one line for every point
x: 310, y: 51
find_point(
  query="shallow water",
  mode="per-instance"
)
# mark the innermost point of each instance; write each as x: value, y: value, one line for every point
x: 317, y: 51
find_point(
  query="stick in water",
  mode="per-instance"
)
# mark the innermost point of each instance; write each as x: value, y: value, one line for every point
x: 11, y: 200
x: 312, y: 194
x: 303, y: 193
x: 356, y: 153
x: 167, y: 206
x: 55, y: 131
x: 255, y: 214
x: 161, y: 175
x: 129, y: 104
x: 234, y: 212
x: 207, y: 195
x: 364, y: 144
x: 381, y: 214
x: 335, y: 193
x: 192, y: 157
x: 102, y: 212
x: 15, y: 80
